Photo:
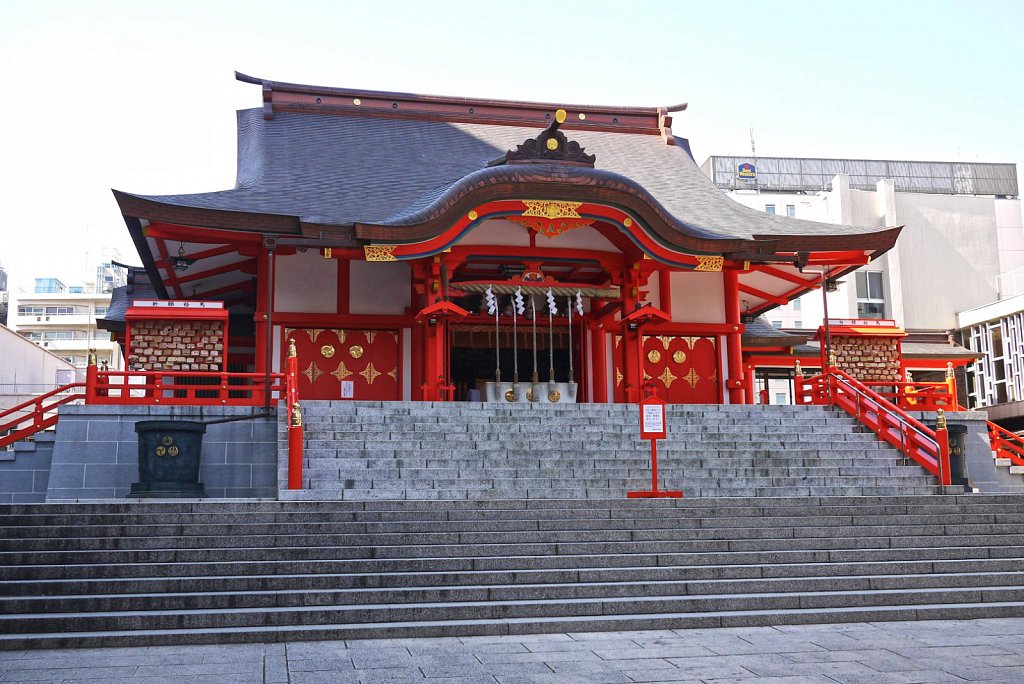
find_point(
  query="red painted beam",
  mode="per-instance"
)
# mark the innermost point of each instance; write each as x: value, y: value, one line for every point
x: 247, y: 266
x: 172, y: 231
x: 761, y: 294
x: 784, y: 275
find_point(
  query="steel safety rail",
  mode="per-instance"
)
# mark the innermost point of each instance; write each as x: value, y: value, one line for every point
x: 926, y: 447
x: 1006, y: 444
x: 182, y: 388
x: 39, y: 413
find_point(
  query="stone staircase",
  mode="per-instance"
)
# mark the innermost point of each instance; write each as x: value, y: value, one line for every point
x: 133, y: 574
x: 402, y: 451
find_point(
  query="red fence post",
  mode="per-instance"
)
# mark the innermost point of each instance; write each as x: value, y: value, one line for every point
x: 294, y: 418
x: 942, y: 437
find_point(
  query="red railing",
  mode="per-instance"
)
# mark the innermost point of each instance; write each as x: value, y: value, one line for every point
x: 1006, y: 444
x: 917, y: 396
x: 183, y: 388
x: 168, y: 388
x: 926, y: 447
x: 36, y: 414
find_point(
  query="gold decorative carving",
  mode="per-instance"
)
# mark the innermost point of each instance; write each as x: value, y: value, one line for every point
x: 690, y: 341
x: 654, y: 356
x: 312, y: 372
x: 710, y: 263
x: 167, y: 440
x: 379, y: 252
x: 679, y: 357
x: 665, y: 340
x: 510, y: 394
x: 691, y: 378
x: 313, y: 332
x: 552, y: 210
x: 618, y: 340
x: 554, y: 395
x: 667, y: 378
x: 355, y: 351
x: 627, y: 222
x: 341, y: 372
x: 472, y: 215
x: 296, y: 415
x: 393, y: 373
x: 370, y: 337
x: 552, y: 144
x: 618, y: 377
x: 327, y: 350
x: 370, y: 373
x: 172, y: 451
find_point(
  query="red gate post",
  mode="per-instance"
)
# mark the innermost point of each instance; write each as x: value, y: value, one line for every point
x: 653, y: 427
x: 294, y: 418
x: 942, y: 437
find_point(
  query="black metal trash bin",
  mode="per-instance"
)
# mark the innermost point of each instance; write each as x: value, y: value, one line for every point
x: 957, y: 453
x: 169, y: 452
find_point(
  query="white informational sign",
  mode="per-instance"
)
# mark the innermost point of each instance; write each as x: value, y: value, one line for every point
x: 653, y: 418
x: 177, y: 304
x: 348, y: 389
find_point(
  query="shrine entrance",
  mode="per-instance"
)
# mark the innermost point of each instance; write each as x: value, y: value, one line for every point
x: 474, y: 358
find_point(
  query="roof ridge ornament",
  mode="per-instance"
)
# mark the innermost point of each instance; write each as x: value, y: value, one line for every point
x: 550, y: 146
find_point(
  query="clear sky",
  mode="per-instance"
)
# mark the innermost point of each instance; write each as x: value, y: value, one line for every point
x: 140, y: 96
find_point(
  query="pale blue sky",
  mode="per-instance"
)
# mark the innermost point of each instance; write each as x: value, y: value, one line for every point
x: 140, y: 95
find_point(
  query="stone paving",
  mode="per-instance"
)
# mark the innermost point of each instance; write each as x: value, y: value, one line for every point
x: 990, y: 650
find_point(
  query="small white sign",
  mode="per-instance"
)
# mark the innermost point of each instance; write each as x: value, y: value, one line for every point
x: 653, y: 418
x: 177, y: 304
x: 348, y: 389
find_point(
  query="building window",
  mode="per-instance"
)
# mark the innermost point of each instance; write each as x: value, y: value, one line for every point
x: 101, y: 311
x: 796, y: 304
x: 790, y: 210
x: 798, y: 324
x: 870, y: 295
x: 777, y: 325
x: 769, y: 208
x: 780, y: 398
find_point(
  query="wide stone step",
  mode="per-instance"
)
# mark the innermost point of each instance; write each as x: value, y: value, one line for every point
x: 13, y: 624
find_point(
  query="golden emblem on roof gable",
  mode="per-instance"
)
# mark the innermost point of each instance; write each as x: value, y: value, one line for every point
x: 710, y: 263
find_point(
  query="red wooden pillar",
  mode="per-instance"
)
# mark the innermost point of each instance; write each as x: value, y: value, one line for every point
x: 733, y: 343
x: 632, y: 342
x: 260, y: 317
x: 599, y: 361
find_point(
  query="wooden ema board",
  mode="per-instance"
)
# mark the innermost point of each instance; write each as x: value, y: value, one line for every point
x: 683, y: 368
x: 347, y: 364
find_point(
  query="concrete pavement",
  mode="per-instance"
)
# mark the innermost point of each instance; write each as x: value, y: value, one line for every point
x: 990, y: 650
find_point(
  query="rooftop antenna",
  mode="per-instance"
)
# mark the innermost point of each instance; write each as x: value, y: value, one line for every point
x: 753, y: 151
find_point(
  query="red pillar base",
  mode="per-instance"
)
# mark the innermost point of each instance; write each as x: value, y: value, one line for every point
x: 660, y: 494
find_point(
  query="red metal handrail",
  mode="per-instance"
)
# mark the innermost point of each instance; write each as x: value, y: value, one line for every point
x: 182, y: 388
x: 37, y: 413
x: 1006, y: 444
x: 926, y: 447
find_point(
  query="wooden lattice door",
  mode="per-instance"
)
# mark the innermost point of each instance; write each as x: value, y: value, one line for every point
x: 335, y: 363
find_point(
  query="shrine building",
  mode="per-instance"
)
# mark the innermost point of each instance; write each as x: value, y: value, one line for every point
x: 374, y: 229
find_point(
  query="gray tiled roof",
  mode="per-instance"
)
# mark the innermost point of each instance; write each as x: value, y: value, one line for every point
x: 340, y: 170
